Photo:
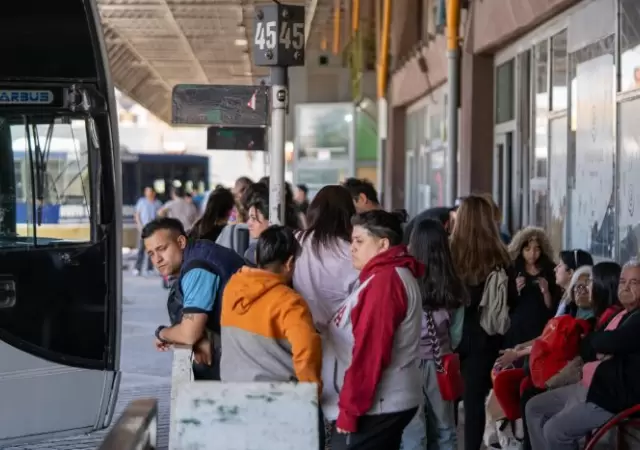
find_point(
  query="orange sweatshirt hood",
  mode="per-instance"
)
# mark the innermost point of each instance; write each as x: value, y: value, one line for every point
x: 249, y: 285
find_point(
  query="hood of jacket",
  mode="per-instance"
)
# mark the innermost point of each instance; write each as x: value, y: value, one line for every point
x: 525, y: 235
x: 396, y: 256
x: 250, y: 285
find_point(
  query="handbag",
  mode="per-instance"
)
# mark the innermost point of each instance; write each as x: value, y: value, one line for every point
x: 447, y: 367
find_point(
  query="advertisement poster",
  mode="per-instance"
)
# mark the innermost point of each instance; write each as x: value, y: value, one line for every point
x: 592, y: 199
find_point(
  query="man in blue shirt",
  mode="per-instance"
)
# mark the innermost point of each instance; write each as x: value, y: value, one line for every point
x: 200, y: 270
x: 146, y: 210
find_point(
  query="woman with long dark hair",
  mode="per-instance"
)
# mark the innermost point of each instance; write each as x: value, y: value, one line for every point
x: 443, y: 296
x: 477, y: 251
x: 216, y: 215
x: 326, y: 254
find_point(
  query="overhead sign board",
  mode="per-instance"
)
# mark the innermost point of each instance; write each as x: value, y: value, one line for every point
x: 221, y: 105
x: 236, y: 138
x: 279, y: 35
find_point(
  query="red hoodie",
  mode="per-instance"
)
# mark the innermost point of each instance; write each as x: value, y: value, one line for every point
x: 387, y: 303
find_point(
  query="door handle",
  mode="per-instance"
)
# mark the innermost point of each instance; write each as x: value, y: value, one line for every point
x: 7, y: 292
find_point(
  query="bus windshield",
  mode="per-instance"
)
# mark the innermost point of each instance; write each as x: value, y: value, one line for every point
x: 44, y: 179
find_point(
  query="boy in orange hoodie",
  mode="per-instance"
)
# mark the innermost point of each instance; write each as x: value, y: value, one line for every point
x: 267, y: 330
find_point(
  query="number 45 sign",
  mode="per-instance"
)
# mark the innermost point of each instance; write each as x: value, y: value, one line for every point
x: 278, y: 35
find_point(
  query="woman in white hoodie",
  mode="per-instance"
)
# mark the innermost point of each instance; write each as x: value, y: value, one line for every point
x: 324, y: 274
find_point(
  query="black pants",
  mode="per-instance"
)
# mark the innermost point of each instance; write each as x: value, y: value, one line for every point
x: 527, y: 395
x: 375, y: 432
x: 476, y: 372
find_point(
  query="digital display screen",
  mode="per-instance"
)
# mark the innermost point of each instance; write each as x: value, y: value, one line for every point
x: 219, y: 105
x: 236, y: 138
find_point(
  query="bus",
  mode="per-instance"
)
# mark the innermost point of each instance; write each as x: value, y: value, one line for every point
x: 60, y: 297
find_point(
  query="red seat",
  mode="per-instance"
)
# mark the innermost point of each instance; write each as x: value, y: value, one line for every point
x: 619, y: 421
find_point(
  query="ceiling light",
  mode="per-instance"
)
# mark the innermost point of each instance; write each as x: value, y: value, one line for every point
x: 241, y: 42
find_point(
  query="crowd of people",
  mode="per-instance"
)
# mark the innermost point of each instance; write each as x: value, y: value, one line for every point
x: 398, y: 323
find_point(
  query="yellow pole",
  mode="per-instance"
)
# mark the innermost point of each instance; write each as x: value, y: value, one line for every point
x: 355, y: 16
x: 383, y: 56
x: 336, y: 26
x: 453, y: 81
x: 453, y: 24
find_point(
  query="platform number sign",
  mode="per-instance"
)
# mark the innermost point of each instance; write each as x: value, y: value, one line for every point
x: 278, y: 38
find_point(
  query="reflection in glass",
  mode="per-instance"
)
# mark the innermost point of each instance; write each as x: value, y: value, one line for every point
x: 629, y: 214
x: 559, y: 71
x: 324, y: 131
x: 592, y: 149
x: 541, y: 76
x: 558, y: 180
x: 630, y: 44
x: 504, y: 92
x: 539, y: 168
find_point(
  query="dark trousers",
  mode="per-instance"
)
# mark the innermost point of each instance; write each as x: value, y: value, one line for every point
x: 476, y: 372
x: 142, y: 258
x: 527, y: 395
x: 375, y: 432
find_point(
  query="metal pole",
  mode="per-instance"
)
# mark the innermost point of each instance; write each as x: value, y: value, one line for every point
x: 453, y: 51
x: 279, y: 97
x: 451, y: 176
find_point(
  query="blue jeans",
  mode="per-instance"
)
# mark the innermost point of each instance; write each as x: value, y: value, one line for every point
x: 434, y: 426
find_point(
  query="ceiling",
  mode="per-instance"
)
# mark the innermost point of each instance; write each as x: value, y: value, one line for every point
x: 155, y: 44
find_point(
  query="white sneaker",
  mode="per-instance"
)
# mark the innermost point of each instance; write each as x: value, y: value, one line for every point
x: 136, y: 273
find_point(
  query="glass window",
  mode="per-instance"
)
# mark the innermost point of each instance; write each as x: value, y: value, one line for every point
x: 629, y: 216
x: 504, y: 92
x: 558, y: 181
x: 539, y: 169
x: 541, y: 77
x: 592, y: 149
x: 50, y: 179
x: 559, y: 93
x: 629, y: 44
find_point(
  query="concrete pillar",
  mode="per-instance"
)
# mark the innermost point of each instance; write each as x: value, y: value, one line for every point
x: 476, y: 121
x: 394, y: 160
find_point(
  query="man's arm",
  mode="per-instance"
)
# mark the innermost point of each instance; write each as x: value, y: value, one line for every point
x: 199, y: 288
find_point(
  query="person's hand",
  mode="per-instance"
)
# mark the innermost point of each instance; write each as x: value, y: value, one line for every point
x: 161, y: 346
x: 202, y: 352
x: 520, y: 347
x: 507, y: 357
x: 520, y: 282
x: 341, y: 431
x: 543, y: 284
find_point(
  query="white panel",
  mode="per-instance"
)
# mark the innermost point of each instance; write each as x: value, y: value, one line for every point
x: 43, y: 398
x: 247, y: 416
x: 600, y: 15
x: 181, y: 373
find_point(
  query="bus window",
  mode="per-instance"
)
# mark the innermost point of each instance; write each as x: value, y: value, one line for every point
x: 52, y: 169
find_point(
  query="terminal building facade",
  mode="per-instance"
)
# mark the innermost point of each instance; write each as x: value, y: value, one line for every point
x: 549, y: 94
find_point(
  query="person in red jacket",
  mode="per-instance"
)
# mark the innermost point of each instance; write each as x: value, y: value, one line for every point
x: 372, y: 383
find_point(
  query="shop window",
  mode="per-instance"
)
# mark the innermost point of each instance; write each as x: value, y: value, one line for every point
x: 559, y: 92
x: 591, y: 156
x: 629, y: 44
x: 541, y: 77
x: 629, y: 144
x: 504, y: 92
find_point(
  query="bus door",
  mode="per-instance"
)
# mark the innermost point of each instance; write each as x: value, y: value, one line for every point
x: 60, y: 297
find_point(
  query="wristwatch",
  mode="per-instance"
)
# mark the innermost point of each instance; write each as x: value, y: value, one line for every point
x: 157, y: 333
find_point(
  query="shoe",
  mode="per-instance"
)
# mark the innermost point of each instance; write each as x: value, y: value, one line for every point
x: 136, y: 273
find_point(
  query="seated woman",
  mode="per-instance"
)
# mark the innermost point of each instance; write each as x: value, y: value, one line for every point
x: 560, y: 418
x: 370, y: 368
